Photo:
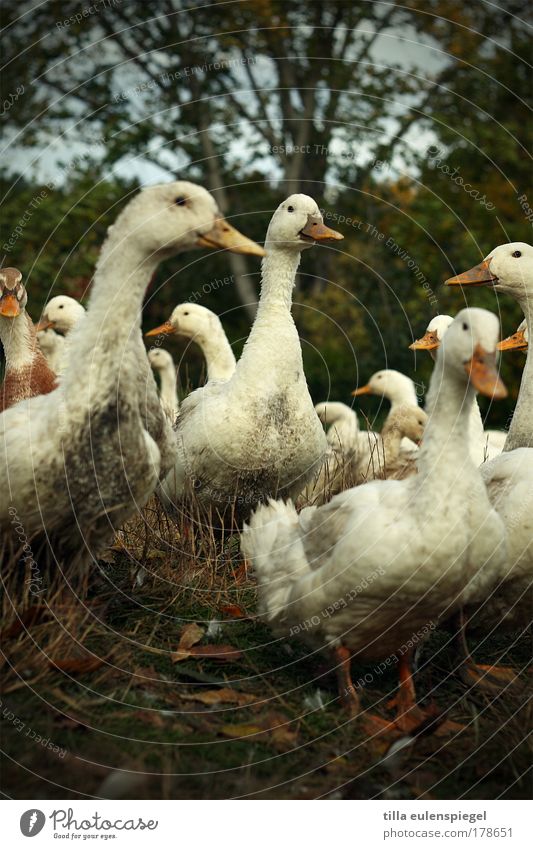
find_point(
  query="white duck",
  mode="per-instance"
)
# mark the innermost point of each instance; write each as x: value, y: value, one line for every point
x: 509, y: 269
x: 27, y: 373
x: 163, y: 364
x: 397, y: 388
x: 509, y: 477
x: 52, y: 345
x: 484, y: 444
x: 61, y: 314
x: 204, y: 327
x: 342, y: 425
x: 392, y: 385
x: 77, y: 462
x: 379, y: 565
x: 257, y: 434
x: 384, y: 459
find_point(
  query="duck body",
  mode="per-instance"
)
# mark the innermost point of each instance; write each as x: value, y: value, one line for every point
x: 384, y: 561
x: 257, y: 434
x: 27, y: 372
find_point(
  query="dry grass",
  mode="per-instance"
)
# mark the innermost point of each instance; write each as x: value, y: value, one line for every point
x: 94, y: 705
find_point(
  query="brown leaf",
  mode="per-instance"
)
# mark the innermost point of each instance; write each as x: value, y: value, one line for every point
x: 235, y: 611
x: 76, y: 665
x: 222, y: 652
x: 218, y: 697
x: 190, y: 635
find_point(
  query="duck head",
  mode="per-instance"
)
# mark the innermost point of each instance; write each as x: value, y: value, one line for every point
x: 172, y: 217
x: 508, y: 268
x: 13, y: 295
x: 61, y: 313
x: 432, y: 338
x: 298, y: 224
x: 190, y: 320
x: 469, y: 347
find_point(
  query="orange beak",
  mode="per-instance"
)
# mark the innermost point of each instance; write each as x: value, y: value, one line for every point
x: 479, y: 275
x: 363, y: 390
x: 428, y: 342
x: 223, y: 235
x: 316, y: 231
x: 484, y: 377
x: 516, y: 342
x: 163, y: 330
x: 9, y: 306
x: 43, y: 324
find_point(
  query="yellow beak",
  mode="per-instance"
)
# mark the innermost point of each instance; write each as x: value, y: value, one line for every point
x: 363, y: 390
x: 479, y: 275
x: 483, y: 374
x: 316, y: 231
x: 223, y: 235
x: 516, y: 342
x: 43, y: 324
x: 428, y: 342
x: 163, y: 330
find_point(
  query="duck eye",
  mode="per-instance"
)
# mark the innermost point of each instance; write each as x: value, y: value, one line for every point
x: 186, y: 313
x: 516, y: 254
x: 465, y: 325
x: 290, y: 209
x: 181, y: 201
x: 61, y: 306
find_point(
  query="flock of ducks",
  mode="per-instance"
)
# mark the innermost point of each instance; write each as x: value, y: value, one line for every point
x: 359, y: 540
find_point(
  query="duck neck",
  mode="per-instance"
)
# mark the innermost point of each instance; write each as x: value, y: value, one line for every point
x: 391, y: 437
x: 218, y: 354
x: 100, y: 341
x: 406, y: 394
x: 273, y: 340
x: 19, y: 340
x: 445, y: 450
x: 521, y: 430
x: 169, y: 388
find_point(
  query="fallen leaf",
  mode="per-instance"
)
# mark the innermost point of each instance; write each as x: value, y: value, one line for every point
x: 76, y: 665
x: 218, y: 697
x: 190, y: 635
x: 234, y: 611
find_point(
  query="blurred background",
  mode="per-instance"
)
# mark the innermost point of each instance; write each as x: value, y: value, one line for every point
x: 408, y: 122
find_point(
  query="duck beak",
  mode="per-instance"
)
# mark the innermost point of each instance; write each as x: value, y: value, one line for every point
x: 9, y: 305
x: 43, y: 324
x: 516, y: 342
x: 224, y: 236
x: 316, y: 231
x: 483, y: 373
x: 363, y: 390
x: 428, y: 342
x: 479, y: 275
x: 163, y: 330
